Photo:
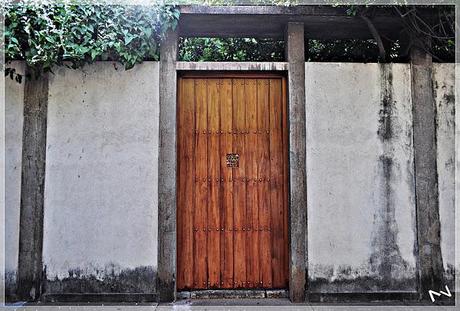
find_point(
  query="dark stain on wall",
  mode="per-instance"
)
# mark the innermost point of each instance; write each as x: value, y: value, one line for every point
x: 10, y: 286
x: 386, y: 269
x: 447, y: 114
x: 363, y: 284
x: 386, y: 259
x: 138, y: 280
x: 449, y: 276
x: 386, y: 109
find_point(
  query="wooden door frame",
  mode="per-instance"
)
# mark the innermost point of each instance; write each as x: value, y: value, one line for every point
x: 206, y: 74
x: 167, y: 169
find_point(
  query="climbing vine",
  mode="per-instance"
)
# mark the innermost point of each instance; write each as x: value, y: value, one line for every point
x: 73, y: 33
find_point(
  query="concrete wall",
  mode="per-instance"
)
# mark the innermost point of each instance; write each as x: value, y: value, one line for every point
x: 361, y: 207
x: 100, y: 223
x: 444, y: 90
x: 100, y: 231
x: 14, y: 104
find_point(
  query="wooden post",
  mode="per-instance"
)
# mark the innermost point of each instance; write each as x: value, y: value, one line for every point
x: 295, y: 53
x: 426, y: 183
x: 30, y: 262
x: 167, y: 168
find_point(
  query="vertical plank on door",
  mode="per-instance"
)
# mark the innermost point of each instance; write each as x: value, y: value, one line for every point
x: 186, y: 186
x: 201, y: 185
x: 226, y: 147
x: 263, y: 173
x: 252, y: 207
x: 285, y: 156
x: 276, y: 182
x: 239, y: 182
x: 213, y: 212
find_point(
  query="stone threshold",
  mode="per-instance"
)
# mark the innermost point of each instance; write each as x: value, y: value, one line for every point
x: 233, y: 294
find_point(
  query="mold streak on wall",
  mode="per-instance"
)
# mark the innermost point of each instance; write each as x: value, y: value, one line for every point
x: 444, y: 91
x: 14, y: 105
x: 100, y: 230
x: 361, y: 207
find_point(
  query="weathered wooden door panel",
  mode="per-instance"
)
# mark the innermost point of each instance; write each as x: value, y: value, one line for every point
x: 232, y: 183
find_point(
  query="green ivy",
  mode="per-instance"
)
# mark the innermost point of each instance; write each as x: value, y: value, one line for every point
x: 231, y: 49
x: 74, y: 33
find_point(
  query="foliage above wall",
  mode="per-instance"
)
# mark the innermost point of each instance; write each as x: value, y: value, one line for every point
x: 231, y: 49
x: 438, y: 27
x: 48, y: 33
x: 74, y: 33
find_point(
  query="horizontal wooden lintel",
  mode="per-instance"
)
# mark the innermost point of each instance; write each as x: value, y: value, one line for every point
x: 233, y: 66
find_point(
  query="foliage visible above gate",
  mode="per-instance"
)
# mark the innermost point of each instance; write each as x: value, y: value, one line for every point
x: 50, y: 33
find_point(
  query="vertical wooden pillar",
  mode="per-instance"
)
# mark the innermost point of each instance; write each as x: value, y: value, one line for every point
x: 167, y: 168
x: 30, y: 263
x: 295, y: 53
x: 426, y: 183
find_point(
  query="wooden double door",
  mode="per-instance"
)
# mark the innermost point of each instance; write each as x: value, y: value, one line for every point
x: 232, y: 212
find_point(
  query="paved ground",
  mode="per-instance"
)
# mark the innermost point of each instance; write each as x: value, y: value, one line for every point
x: 228, y: 304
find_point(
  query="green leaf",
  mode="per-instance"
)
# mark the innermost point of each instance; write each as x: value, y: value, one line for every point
x: 128, y: 39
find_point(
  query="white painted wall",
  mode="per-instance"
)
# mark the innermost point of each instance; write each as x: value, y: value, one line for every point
x: 444, y: 90
x: 346, y: 186
x: 14, y: 105
x: 101, y: 172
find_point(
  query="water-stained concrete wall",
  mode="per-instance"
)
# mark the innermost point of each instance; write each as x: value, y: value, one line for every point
x: 100, y: 223
x: 14, y: 105
x: 444, y: 91
x: 360, y: 183
x: 100, y: 230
